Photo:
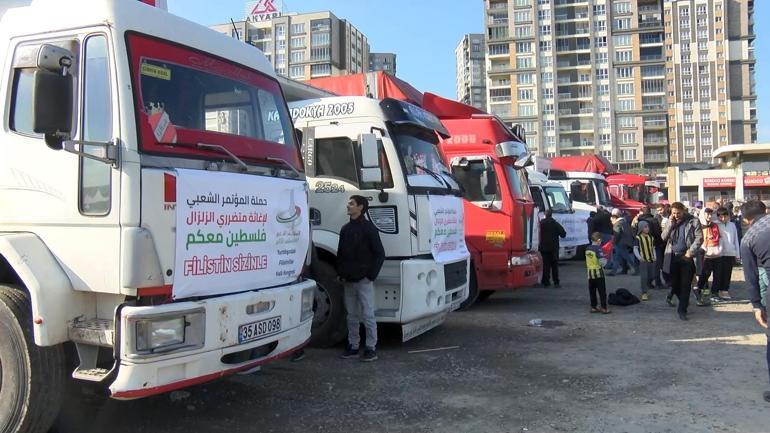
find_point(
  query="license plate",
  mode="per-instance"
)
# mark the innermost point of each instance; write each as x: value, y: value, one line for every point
x: 257, y: 330
x: 418, y: 327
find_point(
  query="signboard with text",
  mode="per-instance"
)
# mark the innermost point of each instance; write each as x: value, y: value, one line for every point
x: 237, y: 232
x: 262, y: 10
x: 756, y: 181
x: 719, y: 182
x: 448, y: 237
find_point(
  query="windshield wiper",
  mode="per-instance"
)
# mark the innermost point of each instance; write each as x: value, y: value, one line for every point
x: 245, y: 168
x: 222, y: 149
x: 435, y: 176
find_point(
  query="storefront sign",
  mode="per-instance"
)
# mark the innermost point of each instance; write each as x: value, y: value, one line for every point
x: 756, y: 181
x: 261, y: 10
x: 719, y: 182
x: 237, y: 232
x: 448, y: 237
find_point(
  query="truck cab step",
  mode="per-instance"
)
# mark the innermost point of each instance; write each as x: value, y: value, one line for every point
x: 90, y: 374
x: 96, y: 332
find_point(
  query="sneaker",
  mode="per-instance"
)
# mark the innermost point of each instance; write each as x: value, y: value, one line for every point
x: 670, y: 301
x: 725, y: 295
x: 683, y: 316
x: 645, y: 297
x: 604, y: 310
x: 595, y: 310
x: 702, y: 302
x: 350, y: 352
x: 766, y: 396
x: 557, y: 286
x: 369, y: 355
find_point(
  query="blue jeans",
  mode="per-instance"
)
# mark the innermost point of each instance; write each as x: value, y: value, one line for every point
x: 359, y: 304
x: 621, y: 253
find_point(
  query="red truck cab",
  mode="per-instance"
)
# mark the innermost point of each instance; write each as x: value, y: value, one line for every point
x: 487, y: 158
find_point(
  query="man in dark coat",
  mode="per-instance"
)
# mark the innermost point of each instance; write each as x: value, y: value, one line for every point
x: 550, y: 232
x: 360, y: 256
x: 683, y: 237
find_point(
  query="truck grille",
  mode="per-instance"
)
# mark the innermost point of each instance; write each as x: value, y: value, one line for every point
x: 455, y: 274
x: 384, y: 218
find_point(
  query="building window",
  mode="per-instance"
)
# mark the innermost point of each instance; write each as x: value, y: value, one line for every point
x: 604, y: 106
x: 320, y: 39
x: 523, y: 47
x: 628, y: 154
x: 549, y: 125
x: 621, y: 23
x: 523, y: 62
x: 604, y: 139
x: 497, y: 49
x: 548, y: 93
x: 545, y: 30
x: 280, y: 31
x: 622, y: 40
x: 297, y: 42
x: 297, y: 28
x: 296, y: 72
x: 602, y: 74
x: 603, y: 89
x: 625, y: 72
x: 626, y: 122
x: 546, y: 77
x: 600, y: 25
x: 600, y: 41
x: 625, y: 88
x: 524, y: 78
x: 522, y: 16
x: 524, y: 94
x: 544, y: 14
x: 601, y: 57
x: 526, y: 110
x: 623, y: 56
x: 547, y: 108
x: 522, y: 31
x: 625, y: 105
x: 545, y: 46
x: 323, y: 53
x: 297, y: 56
x: 628, y: 138
x: 320, y: 70
x: 600, y: 10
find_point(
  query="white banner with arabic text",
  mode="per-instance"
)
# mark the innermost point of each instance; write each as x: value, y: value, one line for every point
x: 448, y: 237
x: 576, y: 226
x: 237, y: 232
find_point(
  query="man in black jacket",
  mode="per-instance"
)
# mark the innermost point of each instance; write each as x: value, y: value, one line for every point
x: 359, y: 259
x: 550, y: 232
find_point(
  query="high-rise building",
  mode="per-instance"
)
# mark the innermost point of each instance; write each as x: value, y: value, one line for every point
x: 470, y: 80
x: 382, y: 62
x: 623, y: 78
x: 302, y: 46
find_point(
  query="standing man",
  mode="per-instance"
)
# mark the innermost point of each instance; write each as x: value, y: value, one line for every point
x: 683, y: 236
x: 755, y: 254
x: 622, y: 243
x: 359, y: 259
x: 550, y: 232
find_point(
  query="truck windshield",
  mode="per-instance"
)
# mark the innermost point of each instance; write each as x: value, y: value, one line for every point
x: 187, y: 97
x: 602, y: 192
x: 422, y: 164
x: 478, y: 180
x: 557, y: 199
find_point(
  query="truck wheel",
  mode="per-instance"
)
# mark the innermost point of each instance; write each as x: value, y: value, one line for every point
x: 329, y: 326
x: 31, y: 377
x: 485, y: 294
x: 473, y: 291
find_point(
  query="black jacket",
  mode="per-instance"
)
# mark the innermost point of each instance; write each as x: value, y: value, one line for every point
x: 550, y: 232
x: 359, y: 253
x: 602, y: 222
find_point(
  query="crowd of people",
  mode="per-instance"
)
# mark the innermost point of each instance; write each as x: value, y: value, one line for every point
x: 681, y: 249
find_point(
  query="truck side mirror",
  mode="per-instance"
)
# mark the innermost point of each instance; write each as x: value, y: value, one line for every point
x: 370, y: 158
x: 490, y: 186
x: 52, y: 95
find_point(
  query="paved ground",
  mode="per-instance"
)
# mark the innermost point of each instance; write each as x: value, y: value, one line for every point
x: 638, y: 369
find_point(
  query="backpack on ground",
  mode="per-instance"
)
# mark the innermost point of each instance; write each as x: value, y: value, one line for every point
x: 622, y: 297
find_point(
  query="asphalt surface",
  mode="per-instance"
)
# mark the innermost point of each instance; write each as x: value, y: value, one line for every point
x: 639, y: 369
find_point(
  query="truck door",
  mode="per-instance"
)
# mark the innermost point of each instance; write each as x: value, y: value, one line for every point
x: 334, y: 175
x: 69, y: 201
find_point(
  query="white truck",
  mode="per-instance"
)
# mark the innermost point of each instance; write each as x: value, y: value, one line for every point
x: 385, y: 151
x: 551, y: 195
x: 587, y: 190
x: 154, y: 215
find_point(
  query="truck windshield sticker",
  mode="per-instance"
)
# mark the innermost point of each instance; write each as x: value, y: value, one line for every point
x: 323, y: 110
x: 448, y: 237
x: 230, y: 241
x: 155, y: 71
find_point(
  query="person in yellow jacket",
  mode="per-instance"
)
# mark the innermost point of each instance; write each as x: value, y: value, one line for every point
x: 644, y: 250
x: 595, y: 261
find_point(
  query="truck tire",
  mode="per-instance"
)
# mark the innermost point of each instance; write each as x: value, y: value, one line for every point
x: 329, y: 326
x: 32, y: 378
x: 473, y: 292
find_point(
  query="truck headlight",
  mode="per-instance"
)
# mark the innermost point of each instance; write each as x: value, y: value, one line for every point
x: 520, y: 261
x: 307, y: 304
x: 168, y: 332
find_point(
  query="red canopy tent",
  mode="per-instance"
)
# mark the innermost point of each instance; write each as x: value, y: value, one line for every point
x: 377, y: 85
x: 591, y: 163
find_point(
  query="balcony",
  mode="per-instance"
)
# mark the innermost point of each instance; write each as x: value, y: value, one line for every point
x: 498, y: 6
x: 494, y: 21
x: 650, y: 23
x: 655, y: 157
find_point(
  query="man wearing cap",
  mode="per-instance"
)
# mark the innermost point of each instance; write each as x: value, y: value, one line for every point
x: 622, y: 242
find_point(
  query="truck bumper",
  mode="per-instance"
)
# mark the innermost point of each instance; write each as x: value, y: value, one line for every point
x: 512, y: 277
x: 221, y: 352
x: 409, y: 291
x: 567, y: 253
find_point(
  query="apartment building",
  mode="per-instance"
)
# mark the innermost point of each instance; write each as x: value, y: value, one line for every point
x: 303, y: 46
x: 382, y: 62
x: 606, y: 76
x: 470, y: 79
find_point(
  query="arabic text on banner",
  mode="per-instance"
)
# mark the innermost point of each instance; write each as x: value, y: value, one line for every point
x: 576, y: 226
x: 237, y: 232
x: 448, y: 237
